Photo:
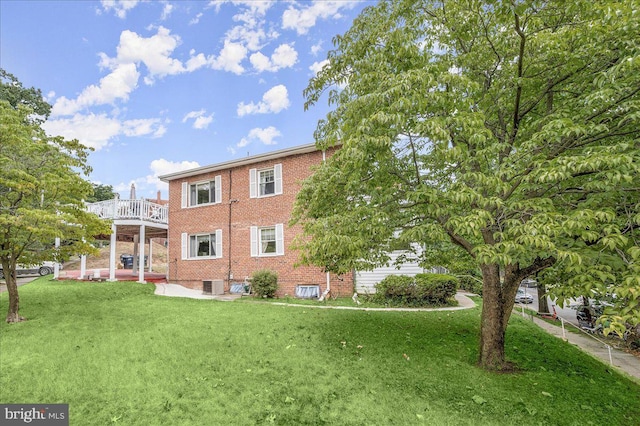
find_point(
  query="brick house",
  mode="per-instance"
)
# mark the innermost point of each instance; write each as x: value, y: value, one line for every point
x: 228, y: 220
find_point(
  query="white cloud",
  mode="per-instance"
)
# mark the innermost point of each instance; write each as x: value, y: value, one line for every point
x: 316, y: 67
x: 116, y: 85
x: 143, y: 127
x: 154, y: 52
x: 273, y: 101
x: 94, y: 131
x: 119, y: 7
x: 265, y: 136
x: 158, y: 168
x: 285, y: 56
x: 200, y: 119
x: 97, y: 130
x: 166, y: 11
x: 231, y: 55
x: 304, y: 18
x: 316, y: 48
x: 196, y: 19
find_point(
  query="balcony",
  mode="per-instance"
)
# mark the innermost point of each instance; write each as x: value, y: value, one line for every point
x: 130, y: 210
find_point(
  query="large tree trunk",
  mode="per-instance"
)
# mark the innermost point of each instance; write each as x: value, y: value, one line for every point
x: 14, y: 300
x: 543, y: 304
x: 497, y: 304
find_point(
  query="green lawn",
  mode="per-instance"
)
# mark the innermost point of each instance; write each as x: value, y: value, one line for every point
x: 118, y: 354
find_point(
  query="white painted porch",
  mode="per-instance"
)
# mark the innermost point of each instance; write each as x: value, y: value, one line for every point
x: 138, y: 220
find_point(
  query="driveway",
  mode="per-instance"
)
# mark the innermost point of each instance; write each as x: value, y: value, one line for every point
x: 21, y: 281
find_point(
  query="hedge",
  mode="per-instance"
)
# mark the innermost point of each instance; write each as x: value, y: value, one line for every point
x: 421, y: 290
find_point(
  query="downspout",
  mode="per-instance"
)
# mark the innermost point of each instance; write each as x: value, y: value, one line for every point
x: 229, y: 274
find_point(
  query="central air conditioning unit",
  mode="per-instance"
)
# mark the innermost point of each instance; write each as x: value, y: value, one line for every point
x: 213, y: 287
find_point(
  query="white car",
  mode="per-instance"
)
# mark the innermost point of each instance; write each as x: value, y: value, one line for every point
x: 523, y: 297
x: 45, y: 268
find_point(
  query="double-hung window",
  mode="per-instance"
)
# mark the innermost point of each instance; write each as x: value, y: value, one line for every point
x: 267, y: 240
x: 265, y: 182
x: 200, y: 193
x: 202, y: 246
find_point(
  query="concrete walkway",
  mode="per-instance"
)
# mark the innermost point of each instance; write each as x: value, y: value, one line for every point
x: 175, y: 290
x: 623, y: 361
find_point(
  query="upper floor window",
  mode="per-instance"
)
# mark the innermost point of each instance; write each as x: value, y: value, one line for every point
x: 199, y: 193
x: 265, y: 182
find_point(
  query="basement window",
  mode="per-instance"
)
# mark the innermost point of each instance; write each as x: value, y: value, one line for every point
x: 308, y: 291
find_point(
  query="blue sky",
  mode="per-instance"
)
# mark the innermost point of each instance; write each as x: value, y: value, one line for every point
x: 161, y: 86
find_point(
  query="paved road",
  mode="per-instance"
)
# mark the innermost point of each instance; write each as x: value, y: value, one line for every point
x: 562, y: 311
x: 21, y: 281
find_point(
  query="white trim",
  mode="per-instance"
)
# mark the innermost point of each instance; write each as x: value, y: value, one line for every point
x: 218, y: 243
x: 280, y: 239
x: 185, y: 194
x: 269, y: 156
x: 254, y: 241
x: 185, y: 246
x: 218, y: 189
x: 277, y: 171
x: 253, y: 183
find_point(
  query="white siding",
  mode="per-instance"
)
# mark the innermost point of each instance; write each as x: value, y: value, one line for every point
x: 367, y: 280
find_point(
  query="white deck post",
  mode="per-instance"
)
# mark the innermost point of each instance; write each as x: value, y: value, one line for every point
x: 56, y: 266
x: 150, y: 253
x: 141, y: 258
x: 112, y: 253
x: 136, y: 241
x: 83, y: 266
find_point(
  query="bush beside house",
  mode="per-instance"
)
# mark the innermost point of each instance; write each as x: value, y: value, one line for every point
x: 420, y: 290
x: 264, y: 283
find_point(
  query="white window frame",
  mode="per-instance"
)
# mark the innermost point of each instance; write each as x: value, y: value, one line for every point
x: 216, y: 182
x: 254, y: 181
x: 186, y: 245
x: 256, y: 240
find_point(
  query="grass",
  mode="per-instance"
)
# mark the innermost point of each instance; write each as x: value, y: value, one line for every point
x: 117, y: 354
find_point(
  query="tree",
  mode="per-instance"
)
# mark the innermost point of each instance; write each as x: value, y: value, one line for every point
x: 12, y: 91
x: 507, y: 128
x: 41, y: 192
x: 101, y: 193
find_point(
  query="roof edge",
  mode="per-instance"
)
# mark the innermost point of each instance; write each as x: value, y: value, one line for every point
x: 300, y: 149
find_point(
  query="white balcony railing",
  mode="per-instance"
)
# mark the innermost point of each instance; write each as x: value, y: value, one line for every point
x: 118, y: 209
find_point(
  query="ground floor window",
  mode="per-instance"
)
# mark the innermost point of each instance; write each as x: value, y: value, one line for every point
x: 198, y: 246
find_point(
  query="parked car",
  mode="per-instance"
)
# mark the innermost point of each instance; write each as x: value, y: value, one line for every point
x: 523, y: 297
x: 528, y: 282
x: 45, y: 268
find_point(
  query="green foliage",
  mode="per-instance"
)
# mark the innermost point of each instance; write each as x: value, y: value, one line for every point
x: 41, y: 189
x: 509, y: 129
x: 470, y: 283
x: 264, y: 283
x: 12, y: 91
x: 421, y: 290
x: 101, y: 193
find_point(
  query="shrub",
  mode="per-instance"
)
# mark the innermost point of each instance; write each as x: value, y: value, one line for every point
x: 264, y: 283
x: 471, y: 285
x: 421, y: 290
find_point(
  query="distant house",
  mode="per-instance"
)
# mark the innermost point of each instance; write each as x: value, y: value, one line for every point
x: 229, y: 220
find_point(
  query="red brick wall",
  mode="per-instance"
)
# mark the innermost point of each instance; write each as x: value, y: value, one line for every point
x: 245, y: 212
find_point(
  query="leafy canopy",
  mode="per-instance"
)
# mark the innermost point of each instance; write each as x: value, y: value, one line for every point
x: 510, y: 129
